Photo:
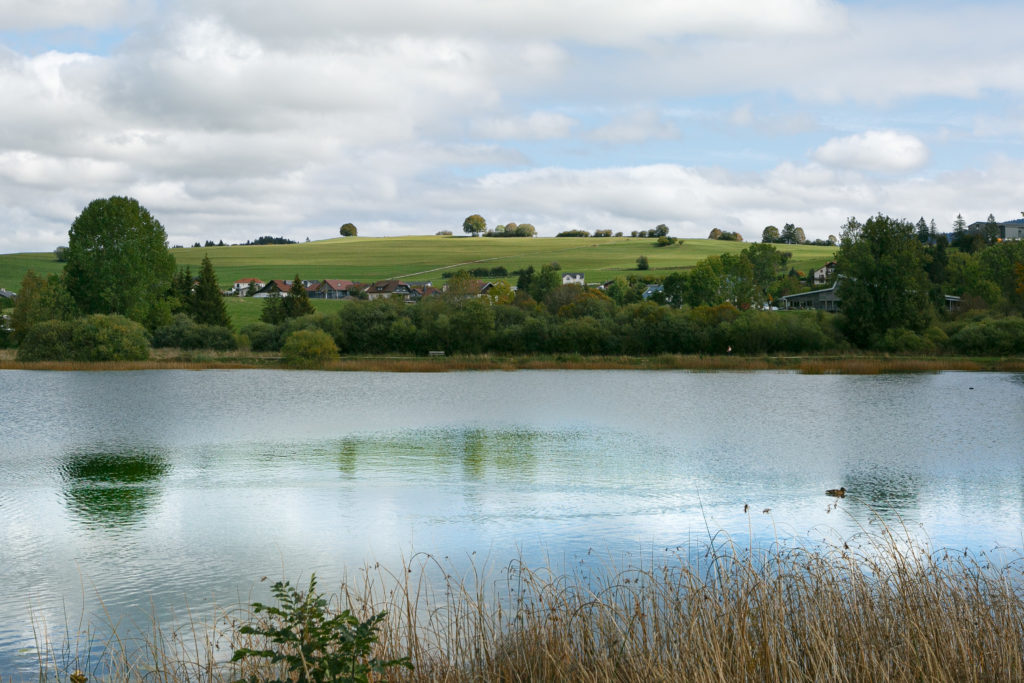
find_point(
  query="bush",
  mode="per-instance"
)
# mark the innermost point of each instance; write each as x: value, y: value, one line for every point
x: 94, y: 338
x: 185, y: 333
x: 1002, y: 336
x: 262, y: 337
x: 309, y: 349
x: 314, y: 644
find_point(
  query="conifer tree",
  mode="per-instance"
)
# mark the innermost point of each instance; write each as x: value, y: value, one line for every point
x: 207, y: 302
x: 297, y: 304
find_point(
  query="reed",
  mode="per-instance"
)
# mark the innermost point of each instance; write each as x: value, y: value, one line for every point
x: 173, y: 359
x: 876, y: 607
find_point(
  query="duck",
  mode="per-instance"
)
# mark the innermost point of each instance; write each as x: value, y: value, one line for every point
x: 836, y: 493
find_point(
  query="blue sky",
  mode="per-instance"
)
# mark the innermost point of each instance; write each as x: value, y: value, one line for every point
x: 232, y: 119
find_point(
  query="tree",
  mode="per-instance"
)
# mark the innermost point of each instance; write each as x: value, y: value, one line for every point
x: 474, y: 224
x: 923, y: 236
x: 118, y: 262
x: 207, y: 302
x: 883, y: 283
x: 348, y: 230
x: 799, y: 236
x: 990, y: 231
x: 715, y: 234
x: 660, y: 231
x: 642, y: 263
x: 297, y: 304
x: 788, y: 235
x: 770, y: 234
x: 40, y: 300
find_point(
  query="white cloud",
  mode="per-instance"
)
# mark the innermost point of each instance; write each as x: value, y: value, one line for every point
x: 539, y: 125
x: 47, y: 14
x: 600, y: 22
x: 874, y: 151
x: 637, y: 126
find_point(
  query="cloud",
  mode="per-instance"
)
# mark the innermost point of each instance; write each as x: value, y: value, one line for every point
x: 596, y: 22
x: 637, y: 126
x: 537, y: 126
x: 874, y: 151
x: 49, y: 14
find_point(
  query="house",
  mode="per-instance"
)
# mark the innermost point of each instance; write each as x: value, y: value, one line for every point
x: 241, y: 287
x: 819, y: 300
x: 824, y: 274
x: 335, y: 289
x: 386, y: 289
x: 1008, y: 230
x: 573, y: 279
x: 8, y: 294
x: 274, y: 288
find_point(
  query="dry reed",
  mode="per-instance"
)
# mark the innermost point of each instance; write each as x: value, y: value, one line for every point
x: 874, y: 608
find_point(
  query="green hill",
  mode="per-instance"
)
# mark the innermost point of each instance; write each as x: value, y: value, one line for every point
x: 366, y: 259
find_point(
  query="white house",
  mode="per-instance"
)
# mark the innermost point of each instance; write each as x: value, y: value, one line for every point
x: 821, y: 275
x: 573, y: 279
x: 241, y: 287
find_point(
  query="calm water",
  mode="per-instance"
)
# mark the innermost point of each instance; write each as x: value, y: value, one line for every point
x: 150, y: 489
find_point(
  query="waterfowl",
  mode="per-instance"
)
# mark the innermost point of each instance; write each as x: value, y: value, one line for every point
x: 837, y: 493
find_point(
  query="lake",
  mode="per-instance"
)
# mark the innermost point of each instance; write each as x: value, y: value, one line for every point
x: 130, y: 494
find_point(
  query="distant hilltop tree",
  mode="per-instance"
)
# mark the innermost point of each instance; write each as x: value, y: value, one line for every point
x: 348, y: 230
x: 474, y: 224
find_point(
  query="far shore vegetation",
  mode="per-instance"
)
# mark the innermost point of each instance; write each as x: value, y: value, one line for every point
x: 889, y: 294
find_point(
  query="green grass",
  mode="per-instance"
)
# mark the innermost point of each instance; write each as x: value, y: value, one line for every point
x: 366, y: 259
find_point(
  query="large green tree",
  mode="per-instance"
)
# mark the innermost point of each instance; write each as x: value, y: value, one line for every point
x: 207, y: 302
x: 883, y: 284
x: 474, y: 224
x: 118, y: 262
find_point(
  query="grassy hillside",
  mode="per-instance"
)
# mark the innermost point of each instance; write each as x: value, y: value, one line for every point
x: 426, y: 258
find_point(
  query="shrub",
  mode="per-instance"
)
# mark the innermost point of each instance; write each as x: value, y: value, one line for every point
x: 48, y: 340
x: 185, y: 333
x: 262, y: 337
x: 94, y: 338
x: 1002, y: 336
x: 309, y: 349
x: 314, y: 644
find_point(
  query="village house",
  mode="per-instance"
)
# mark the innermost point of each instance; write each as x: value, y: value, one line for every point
x: 335, y: 289
x: 573, y: 279
x: 824, y: 274
x: 241, y: 287
x: 274, y: 288
x: 386, y: 289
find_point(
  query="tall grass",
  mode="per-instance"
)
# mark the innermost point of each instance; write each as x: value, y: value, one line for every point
x: 875, y: 608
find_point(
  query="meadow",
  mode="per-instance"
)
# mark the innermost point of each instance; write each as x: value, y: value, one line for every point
x: 426, y: 258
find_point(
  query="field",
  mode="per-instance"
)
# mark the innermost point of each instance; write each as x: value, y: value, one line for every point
x: 365, y: 259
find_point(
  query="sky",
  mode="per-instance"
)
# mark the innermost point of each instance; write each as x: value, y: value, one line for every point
x: 232, y: 119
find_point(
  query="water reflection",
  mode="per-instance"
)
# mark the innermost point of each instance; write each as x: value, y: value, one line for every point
x: 113, y: 490
x: 886, y: 492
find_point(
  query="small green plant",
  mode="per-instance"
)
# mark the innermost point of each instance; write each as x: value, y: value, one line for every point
x: 315, y: 645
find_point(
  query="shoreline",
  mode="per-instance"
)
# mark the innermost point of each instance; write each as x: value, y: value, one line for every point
x: 843, y: 364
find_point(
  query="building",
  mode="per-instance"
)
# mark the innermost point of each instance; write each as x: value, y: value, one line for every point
x: 817, y: 300
x: 1008, y: 230
x: 241, y: 287
x: 825, y: 273
x: 573, y: 279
